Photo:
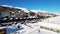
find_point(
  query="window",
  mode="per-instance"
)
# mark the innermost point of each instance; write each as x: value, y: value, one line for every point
x: 0, y: 13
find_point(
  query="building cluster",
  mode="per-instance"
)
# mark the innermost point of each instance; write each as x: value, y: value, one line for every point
x: 10, y: 16
x: 9, y: 13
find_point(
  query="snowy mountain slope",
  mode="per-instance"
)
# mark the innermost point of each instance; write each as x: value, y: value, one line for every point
x: 26, y: 10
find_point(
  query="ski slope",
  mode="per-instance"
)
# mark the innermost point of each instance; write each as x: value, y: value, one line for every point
x: 34, y: 28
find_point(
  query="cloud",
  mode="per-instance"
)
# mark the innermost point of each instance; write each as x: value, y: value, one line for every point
x: 7, y: 6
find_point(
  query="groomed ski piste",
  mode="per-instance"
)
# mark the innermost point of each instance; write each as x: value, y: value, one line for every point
x: 46, y: 26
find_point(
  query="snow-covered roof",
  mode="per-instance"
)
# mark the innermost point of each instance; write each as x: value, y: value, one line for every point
x: 36, y: 11
x: 2, y: 27
x: 25, y: 10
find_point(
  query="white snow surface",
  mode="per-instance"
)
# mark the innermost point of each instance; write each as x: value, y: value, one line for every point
x: 25, y: 10
x: 53, y: 20
x: 33, y: 28
x: 42, y: 11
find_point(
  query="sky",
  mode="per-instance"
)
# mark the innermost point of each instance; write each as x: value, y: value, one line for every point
x: 52, y: 6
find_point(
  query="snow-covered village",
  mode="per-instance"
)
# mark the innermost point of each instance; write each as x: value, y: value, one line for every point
x: 15, y: 20
x: 29, y: 16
